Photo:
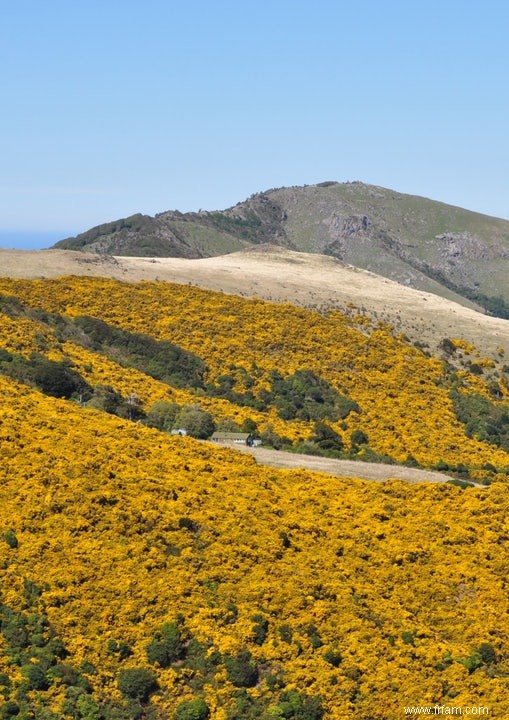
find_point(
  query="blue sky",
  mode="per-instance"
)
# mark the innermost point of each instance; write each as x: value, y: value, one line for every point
x: 117, y: 106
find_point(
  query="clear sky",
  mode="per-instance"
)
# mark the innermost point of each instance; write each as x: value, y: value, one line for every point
x: 113, y: 107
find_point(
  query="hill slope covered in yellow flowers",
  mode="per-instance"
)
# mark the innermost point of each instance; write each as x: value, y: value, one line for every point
x: 151, y: 576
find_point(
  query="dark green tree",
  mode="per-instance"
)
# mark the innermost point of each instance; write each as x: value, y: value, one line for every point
x: 167, y: 645
x: 162, y: 415
x: 138, y: 683
x: 326, y: 438
x: 198, y: 423
x: 242, y: 669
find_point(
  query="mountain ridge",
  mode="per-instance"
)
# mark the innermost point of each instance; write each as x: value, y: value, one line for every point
x: 421, y: 243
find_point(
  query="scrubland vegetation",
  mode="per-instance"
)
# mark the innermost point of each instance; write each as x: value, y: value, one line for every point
x: 283, y: 369
x: 151, y: 576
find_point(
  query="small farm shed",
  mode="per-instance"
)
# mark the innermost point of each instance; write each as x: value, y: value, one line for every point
x: 232, y: 437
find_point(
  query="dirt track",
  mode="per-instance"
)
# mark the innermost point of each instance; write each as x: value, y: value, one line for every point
x: 341, y: 468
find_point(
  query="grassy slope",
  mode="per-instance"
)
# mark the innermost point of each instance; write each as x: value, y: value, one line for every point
x: 411, y: 217
x: 414, y: 221
x: 208, y: 241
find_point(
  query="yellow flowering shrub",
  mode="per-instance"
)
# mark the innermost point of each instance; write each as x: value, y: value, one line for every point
x: 403, y: 396
x: 352, y: 598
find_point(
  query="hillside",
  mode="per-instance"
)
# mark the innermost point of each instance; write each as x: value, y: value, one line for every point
x: 272, y: 273
x: 278, y: 366
x: 418, y: 242
x: 153, y: 576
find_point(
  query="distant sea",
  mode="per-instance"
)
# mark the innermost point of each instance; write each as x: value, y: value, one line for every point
x: 32, y: 239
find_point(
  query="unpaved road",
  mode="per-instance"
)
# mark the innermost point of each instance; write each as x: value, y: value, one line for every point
x: 341, y: 468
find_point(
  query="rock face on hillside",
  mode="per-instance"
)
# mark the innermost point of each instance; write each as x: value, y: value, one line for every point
x: 413, y: 240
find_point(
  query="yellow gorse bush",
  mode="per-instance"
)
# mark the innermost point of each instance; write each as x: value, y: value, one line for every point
x: 405, y: 407
x: 389, y: 579
x: 363, y: 597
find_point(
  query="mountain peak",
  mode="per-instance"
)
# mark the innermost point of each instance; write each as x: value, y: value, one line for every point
x: 418, y: 242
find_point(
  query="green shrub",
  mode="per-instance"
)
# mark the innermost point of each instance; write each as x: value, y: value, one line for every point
x: 11, y: 539
x: 300, y: 706
x: 242, y: 669
x: 285, y: 539
x: 285, y: 633
x: 56, y: 647
x: 482, y: 418
x: 408, y: 637
x: 475, y: 368
x: 314, y: 637
x: 358, y: 437
x: 192, y: 710
x: 333, y: 657
x: 87, y: 708
x: 122, y: 649
x: 249, y: 426
x: 472, y: 662
x: 274, y: 682
x: 230, y: 614
x: 56, y: 379
x: 260, y: 629
x: 227, y: 424
x: 35, y: 676
x: 446, y: 662
x: 487, y: 653
x: 66, y: 674
x: 14, y: 629
x: 137, y: 683
x: 447, y: 346
x: 167, y: 645
x: 160, y: 359
x: 162, y: 415
x: 272, y: 439
x: 199, y: 659
x: 106, y: 398
x: 367, y: 454
x: 460, y: 483
x: 188, y: 524
x: 489, y: 467
x: 9, y: 710
x: 326, y: 438
x: 306, y: 396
